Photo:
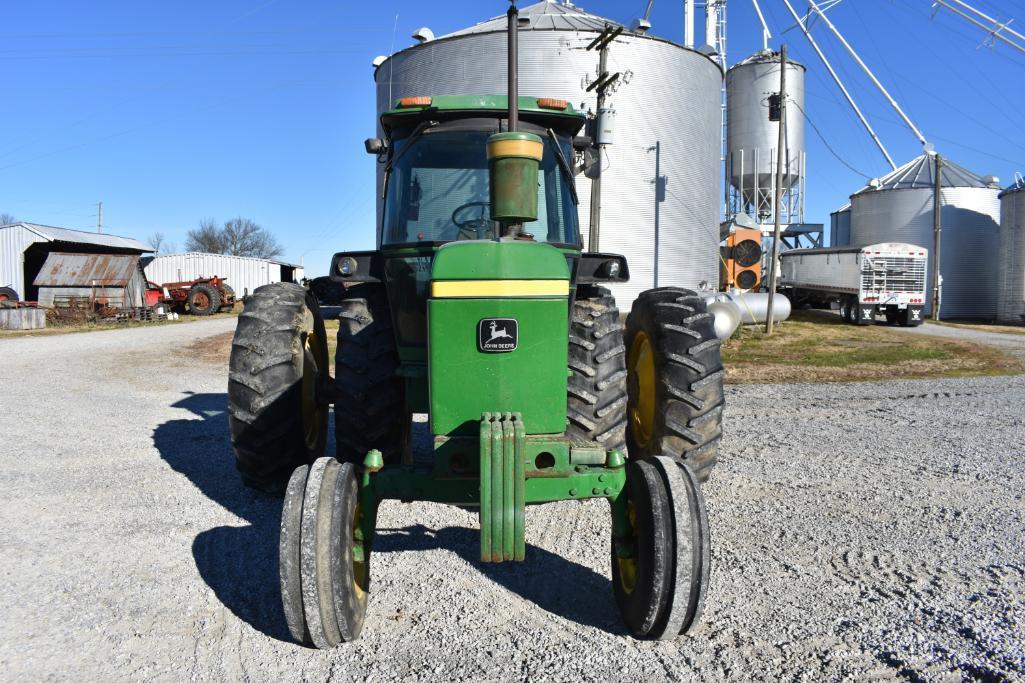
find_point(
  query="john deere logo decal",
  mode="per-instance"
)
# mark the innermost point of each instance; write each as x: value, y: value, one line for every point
x: 497, y: 335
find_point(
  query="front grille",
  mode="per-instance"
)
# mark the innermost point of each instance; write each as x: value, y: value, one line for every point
x: 892, y: 274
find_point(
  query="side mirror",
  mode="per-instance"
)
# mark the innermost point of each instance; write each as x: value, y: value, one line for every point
x: 375, y: 146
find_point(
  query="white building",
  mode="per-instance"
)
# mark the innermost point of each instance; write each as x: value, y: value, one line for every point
x: 244, y: 274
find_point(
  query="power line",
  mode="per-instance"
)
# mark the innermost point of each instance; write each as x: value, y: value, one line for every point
x: 826, y: 142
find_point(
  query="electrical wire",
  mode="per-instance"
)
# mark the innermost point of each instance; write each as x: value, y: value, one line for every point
x: 826, y: 142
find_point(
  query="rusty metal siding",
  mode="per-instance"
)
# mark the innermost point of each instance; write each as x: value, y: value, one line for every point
x: 109, y: 279
x: 242, y: 273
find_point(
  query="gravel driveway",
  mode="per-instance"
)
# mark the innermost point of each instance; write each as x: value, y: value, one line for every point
x: 859, y: 531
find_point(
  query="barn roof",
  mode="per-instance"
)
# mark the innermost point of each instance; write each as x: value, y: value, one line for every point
x: 54, y: 234
x: 86, y: 270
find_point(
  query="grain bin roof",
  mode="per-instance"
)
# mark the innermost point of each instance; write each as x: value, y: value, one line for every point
x: 1017, y: 186
x: 919, y: 173
x: 52, y: 234
x: 545, y: 15
x: 86, y: 270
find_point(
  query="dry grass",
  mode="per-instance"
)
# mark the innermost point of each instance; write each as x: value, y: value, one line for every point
x: 813, y: 347
x: 54, y: 325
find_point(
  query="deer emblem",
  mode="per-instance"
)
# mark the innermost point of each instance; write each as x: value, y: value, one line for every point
x: 497, y: 333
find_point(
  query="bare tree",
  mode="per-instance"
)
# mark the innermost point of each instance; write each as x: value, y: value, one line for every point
x: 160, y: 244
x: 237, y: 237
x: 7, y: 218
x: 207, y: 237
x: 243, y: 237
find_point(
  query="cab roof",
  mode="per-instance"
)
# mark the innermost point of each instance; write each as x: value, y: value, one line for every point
x: 459, y: 106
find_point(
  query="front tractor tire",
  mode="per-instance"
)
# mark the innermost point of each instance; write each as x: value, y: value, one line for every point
x: 660, y: 565
x: 370, y: 407
x: 674, y: 380
x: 597, y: 382
x: 324, y: 565
x: 277, y: 371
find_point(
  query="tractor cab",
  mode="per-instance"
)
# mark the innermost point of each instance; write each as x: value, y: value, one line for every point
x: 436, y: 176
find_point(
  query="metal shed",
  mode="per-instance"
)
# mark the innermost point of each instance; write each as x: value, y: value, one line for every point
x: 91, y: 279
x: 244, y: 274
x: 24, y: 248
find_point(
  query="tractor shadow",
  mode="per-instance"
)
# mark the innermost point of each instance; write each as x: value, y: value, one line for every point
x: 239, y: 563
x: 553, y: 583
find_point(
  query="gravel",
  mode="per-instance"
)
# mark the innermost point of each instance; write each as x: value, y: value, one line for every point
x: 860, y: 531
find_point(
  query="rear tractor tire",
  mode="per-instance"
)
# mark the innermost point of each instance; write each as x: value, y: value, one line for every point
x: 370, y: 408
x: 324, y: 566
x: 8, y: 296
x: 597, y: 362
x: 277, y: 371
x: 660, y: 570
x: 674, y: 379
x: 203, y: 300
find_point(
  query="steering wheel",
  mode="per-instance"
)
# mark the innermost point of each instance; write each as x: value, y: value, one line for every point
x: 473, y: 228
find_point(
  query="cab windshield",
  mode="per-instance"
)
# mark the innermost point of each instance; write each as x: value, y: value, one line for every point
x: 437, y: 190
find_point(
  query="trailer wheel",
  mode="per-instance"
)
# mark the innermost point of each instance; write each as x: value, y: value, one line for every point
x: 277, y: 368
x: 674, y: 379
x: 597, y: 363
x: 334, y: 565
x: 847, y: 310
x: 204, y: 300
x: 370, y: 409
x: 8, y: 295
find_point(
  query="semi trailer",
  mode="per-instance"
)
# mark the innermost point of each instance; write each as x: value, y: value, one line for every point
x: 886, y: 279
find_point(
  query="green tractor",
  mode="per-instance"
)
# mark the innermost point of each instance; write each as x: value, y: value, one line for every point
x: 480, y: 309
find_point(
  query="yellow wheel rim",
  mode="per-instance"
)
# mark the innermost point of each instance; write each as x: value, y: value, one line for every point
x: 628, y: 565
x: 359, y: 567
x: 641, y: 379
x: 314, y: 415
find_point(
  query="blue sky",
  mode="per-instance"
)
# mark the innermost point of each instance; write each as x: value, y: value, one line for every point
x: 170, y: 112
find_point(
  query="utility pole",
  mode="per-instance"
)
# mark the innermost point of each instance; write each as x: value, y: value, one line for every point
x: 780, y: 158
x: 936, y: 228
x: 600, y: 85
x: 99, y: 217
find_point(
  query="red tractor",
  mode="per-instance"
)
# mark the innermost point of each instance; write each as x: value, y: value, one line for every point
x: 202, y: 296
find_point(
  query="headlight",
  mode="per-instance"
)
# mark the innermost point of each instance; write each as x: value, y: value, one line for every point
x: 346, y: 266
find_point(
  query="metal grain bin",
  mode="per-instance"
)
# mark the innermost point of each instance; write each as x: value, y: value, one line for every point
x: 840, y: 226
x: 899, y: 208
x: 669, y: 100
x: 1011, y: 269
x: 752, y: 138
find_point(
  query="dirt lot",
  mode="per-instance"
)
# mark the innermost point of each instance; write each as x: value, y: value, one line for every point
x: 861, y: 531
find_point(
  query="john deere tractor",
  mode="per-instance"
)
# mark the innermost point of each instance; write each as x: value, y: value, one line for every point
x: 479, y: 309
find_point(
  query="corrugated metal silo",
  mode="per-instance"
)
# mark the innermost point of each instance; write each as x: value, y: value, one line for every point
x: 1011, y: 272
x: 899, y: 208
x: 840, y: 226
x: 669, y: 98
x: 752, y: 138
